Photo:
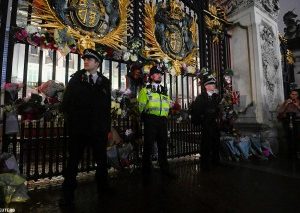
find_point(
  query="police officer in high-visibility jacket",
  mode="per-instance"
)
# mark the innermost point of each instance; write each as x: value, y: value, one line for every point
x: 154, y: 105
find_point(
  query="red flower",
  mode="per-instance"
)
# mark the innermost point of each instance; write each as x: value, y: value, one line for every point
x: 176, y: 108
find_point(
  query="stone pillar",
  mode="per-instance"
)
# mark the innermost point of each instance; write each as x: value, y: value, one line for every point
x: 255, y: 48
x: 256, y: 60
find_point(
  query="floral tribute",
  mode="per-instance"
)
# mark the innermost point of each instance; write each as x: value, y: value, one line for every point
x: 60, y: 40
x: 230, y: 98
x: 53, y: 92
x: 181, y: 115
x: 134, y: 49
x: 123, y: 105
x: 10, y: 107
x: 33, y: 107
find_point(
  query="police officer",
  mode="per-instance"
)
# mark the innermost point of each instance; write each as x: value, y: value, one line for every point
x: 86, y: 106
x: 154, y: 104
x: 207, y: 111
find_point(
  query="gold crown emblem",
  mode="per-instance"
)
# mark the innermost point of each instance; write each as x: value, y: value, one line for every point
x: 175, y: 10
x: 85, y: 43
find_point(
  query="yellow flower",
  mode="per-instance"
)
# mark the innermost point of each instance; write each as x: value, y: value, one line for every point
x: 119, y: 112
x: 191, y: 69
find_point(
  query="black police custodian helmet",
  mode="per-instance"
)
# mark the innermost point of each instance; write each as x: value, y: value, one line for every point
x: 90, y: 53
x: 155, y: 69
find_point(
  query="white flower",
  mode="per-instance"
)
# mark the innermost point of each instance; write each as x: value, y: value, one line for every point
x: 228, y: 79
x: 31, y: 29
x: 166, y: 60
x: 127, y: 92
x: 128, y: 132
x: 173, y: 71
x: 134, y: 57
x: 179, y: 119
x: 126, y: 56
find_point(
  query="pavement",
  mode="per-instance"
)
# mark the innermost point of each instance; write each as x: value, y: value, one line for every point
x: 234, y: 187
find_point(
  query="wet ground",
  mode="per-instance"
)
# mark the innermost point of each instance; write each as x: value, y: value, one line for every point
x: 256, y: 186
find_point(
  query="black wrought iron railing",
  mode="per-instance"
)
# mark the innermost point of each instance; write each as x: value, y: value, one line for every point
x: 41, y: 147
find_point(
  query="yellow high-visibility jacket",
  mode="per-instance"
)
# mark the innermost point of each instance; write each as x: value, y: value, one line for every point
x: 153, y: 103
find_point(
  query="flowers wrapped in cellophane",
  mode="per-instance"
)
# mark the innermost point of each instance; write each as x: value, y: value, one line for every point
x: 12, y: 184
x: 53, y: 92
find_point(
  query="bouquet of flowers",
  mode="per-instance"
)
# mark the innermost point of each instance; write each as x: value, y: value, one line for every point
x: 125, y: 106
x: 53, y: 91
x: 10, y: 107
x: 61, y: 40
x: 11, y: 92
x: 121, y: 103
x: 181, y: 115
x: 65, y: 42
x: 31, y: 108
x: 229, y: 115
x: 11, y: 183
x: 134, y: 49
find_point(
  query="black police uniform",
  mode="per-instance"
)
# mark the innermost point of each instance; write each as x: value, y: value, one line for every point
x: 87, y: 110
x: 208, y: 113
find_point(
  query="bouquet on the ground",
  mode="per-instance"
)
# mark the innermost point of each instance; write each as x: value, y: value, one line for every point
x: 118, y: 152
x: 12, y: 187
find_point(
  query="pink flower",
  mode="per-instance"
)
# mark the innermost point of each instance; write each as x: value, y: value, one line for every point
x: 21, y: 35
x: 13, y: 87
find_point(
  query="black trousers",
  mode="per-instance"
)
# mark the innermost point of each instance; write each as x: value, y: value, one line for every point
x: 210, y: 143
x: 156, y: 129
x: 292, y: 136
x: 77, y: 145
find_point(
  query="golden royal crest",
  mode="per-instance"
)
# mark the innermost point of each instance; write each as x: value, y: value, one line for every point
x: 174, y: 39
x: 90, y: 22
x: 87, y: 13
x: 171, y: 34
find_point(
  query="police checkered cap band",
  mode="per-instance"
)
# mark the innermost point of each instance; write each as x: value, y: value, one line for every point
x: 210, y: 81
x: 89, y: 54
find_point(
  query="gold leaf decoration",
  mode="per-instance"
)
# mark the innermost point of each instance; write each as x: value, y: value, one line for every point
x: 213, y: 24
x: 154, y: 50
x: 290, y: 57
x: 213, y: 10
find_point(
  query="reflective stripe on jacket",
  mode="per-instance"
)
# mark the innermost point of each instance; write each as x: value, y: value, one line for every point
x: 153, y: 103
